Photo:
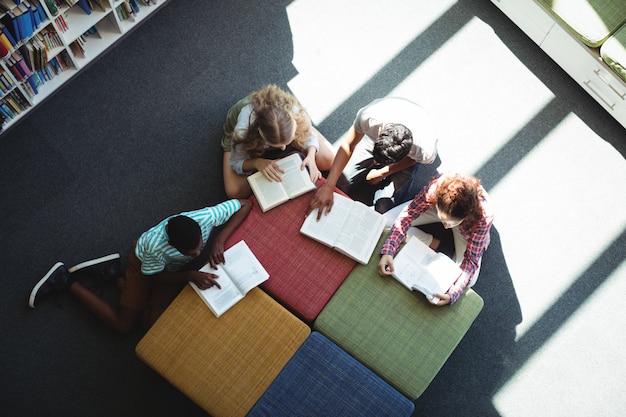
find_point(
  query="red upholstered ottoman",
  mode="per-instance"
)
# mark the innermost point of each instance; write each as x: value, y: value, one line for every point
x: 304, y: 274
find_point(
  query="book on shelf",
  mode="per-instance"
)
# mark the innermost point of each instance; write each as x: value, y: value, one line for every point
x: 85, y: 5
x: 351, y: 228
x: 5, y: 6
x: 418, y: 267
x: 294, y: 182
x: 102, y: 4
x: 127, y: 11
x: 52, y: 7
x: 9, y: 36
x: 10, y: 22
x: 240, y: 273
x: 6, y: 110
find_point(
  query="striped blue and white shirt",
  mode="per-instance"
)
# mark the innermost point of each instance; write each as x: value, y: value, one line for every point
x: 157, y: 255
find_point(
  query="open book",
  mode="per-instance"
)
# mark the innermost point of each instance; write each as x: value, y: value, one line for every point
x: 240, y: 272
x: 418, y: 267
x: 351, y: 228
x: 295, y: 182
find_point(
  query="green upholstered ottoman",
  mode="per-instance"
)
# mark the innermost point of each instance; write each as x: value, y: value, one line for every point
x: 592, y: 21
x: 395, y: 332
x: 223, y: 364
x: 613, y: 51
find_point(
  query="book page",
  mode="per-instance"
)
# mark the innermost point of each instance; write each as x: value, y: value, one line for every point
x: 243, y: 268
x: 411, y: 270
x: 295, y: 181
x: 360, y: 232
x: 219, y: 300
x: 327, y: 229
x: 268, y: 193
x: 419, y: 267
x: 241, y: 272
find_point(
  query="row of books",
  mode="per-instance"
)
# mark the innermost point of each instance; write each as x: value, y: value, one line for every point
x: 54, y: 6
x: 50, y: 38
x: 129, y: 9
x: 89, y: 5
x: 6, y: 82
x: 21, y: 22
x: 13, y: 104
x: 77, y: 46
x: 16, y: 100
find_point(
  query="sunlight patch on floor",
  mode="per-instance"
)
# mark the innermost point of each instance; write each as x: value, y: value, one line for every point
x: 575, y: 373
x: 553, y: 225
x: 332, y: 68
x: 478, y: 94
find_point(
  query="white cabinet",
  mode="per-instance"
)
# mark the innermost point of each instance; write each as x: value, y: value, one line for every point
x: 64, y: 42
x: 586, y: 67
x: 582, y: 63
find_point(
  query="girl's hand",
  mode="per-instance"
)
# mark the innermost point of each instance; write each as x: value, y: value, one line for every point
x: 385, y: 265
x: 309, y: 162
x: 440, y: 299
x: 270, y: 169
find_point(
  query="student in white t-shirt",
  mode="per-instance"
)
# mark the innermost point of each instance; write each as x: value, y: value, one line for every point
x: 388, y: 137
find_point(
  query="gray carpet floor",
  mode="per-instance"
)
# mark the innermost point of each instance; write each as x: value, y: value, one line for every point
x: 134, y: 138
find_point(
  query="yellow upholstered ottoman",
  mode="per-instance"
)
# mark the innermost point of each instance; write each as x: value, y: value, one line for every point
x: 223, y: 364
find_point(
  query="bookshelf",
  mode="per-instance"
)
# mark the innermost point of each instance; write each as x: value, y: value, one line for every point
x: 44, y: 43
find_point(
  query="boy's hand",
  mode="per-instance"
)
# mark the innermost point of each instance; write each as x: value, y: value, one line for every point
x: 322, y: 200
x: 204, y: 280
x: 217, y: 253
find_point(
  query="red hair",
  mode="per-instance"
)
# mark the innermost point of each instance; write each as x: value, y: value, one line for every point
x: 458, y: 196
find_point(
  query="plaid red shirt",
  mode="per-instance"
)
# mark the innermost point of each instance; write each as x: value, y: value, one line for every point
x: 477, y: 236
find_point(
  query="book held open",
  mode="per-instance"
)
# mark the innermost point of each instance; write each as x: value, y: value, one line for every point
x: 240, y: 272
x: 418, y: 267
x: 351, y: 228
x: 294, y: 182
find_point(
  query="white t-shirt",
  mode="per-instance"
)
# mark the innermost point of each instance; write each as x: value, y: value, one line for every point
x: 373, y: 117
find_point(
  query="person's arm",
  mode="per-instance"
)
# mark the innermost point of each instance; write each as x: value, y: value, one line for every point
x: 309, y: 162
x: 323, y: 198
x: 217, y: 246
x: 476, y: 245
x: 377, y: 175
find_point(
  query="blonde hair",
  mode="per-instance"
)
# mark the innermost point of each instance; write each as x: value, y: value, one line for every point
x: 274, y: 114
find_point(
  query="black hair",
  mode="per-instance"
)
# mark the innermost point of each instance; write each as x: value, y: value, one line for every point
x: 393, y: 144
x: 184, y: 233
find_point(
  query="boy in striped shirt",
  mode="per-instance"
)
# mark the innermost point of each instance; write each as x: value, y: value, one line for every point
x: 163, y: 260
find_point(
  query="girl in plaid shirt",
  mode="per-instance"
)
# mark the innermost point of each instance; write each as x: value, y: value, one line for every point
x: 461, y: 204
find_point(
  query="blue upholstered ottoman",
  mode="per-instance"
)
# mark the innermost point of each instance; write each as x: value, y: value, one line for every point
x: 323, y: 380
